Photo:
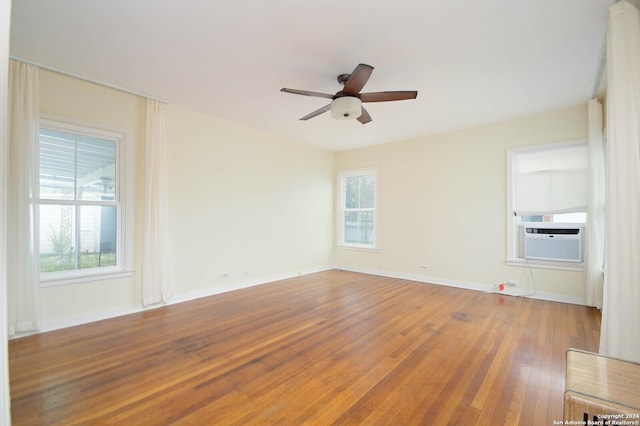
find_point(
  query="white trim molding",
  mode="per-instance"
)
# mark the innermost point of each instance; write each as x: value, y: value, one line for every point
x: 88, y: 317
x: 125, y: 200
x: 342, y: 209
x: 468, y: 285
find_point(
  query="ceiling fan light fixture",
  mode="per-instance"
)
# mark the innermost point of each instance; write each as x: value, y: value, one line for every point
x: 346, y: 108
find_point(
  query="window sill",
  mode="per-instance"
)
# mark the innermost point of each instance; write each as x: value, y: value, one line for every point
x: 55, y: 279
x: 359, y: 248
x: 565, y: 266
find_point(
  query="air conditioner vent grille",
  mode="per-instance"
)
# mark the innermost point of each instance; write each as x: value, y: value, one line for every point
x: 548, y: 231
x: 556, y: 244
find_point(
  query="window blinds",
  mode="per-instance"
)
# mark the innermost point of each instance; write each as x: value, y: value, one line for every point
x: 550, y: 180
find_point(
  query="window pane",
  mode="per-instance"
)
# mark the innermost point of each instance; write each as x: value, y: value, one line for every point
x: 96, y: 168
x: 360, y: 192
x: 97, y: 236
x: 358, y: 227
x: 57, y: 165
x: 536, y: 218
x: 352, y: 192
x: 367, y: 192
x: 76, y: 167
x: 557, y: 218
x: 79, y: 199
x: 57, y: 236
x: 570, y: 218
x: 59, y: 241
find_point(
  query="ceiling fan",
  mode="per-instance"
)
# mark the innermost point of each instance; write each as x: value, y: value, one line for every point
x: 346, y: 104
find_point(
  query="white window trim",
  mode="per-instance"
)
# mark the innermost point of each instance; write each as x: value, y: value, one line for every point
x: 375, y: 247
x: 124, y: 251
x: 512, y: 235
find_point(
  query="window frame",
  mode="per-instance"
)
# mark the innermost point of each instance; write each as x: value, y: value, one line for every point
x: 515, y: 228
x: 342, y: 209
x: 123, y: 200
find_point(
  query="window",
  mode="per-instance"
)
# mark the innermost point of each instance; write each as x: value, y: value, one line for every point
x: 547, y: 188
x: 81, y: 216
x: 357, y: 216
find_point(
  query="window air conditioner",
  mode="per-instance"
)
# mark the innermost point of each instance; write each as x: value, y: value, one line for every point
x: 563, y: 244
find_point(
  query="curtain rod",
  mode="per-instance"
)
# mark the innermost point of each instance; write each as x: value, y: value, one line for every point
x: 88, y: 80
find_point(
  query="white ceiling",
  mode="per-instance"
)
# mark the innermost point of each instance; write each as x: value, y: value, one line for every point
x: 472, y: 62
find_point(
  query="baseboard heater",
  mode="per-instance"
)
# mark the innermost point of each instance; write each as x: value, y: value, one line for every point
x: 562, y: 244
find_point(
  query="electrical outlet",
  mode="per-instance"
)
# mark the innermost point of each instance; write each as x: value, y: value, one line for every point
x: 512, y: 283
x: 224, y: 275
x: 424, y: 267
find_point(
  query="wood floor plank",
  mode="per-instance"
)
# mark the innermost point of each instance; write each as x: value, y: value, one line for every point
x: 329, y: 348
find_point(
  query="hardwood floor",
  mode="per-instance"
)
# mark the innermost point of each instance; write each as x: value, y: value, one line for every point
x: 329, y: 348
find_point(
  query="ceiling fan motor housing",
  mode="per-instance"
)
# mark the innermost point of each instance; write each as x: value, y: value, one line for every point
x: 346, y: 108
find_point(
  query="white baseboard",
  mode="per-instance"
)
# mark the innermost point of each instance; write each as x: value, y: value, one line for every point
x: 87, y: 317
x: 244, y: 284
x: 84, y: 318
x: 516, y: 292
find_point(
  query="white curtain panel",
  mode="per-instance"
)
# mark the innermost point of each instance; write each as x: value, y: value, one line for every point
x: 23, y: 292
x: 156, y: 272
x: 595, y: 207
x: 620, y: 332
x: 5, y: 399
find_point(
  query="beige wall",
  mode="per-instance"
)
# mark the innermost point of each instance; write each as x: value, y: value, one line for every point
x: 241, y: 201
x: 257, y: 207
x: 244, y: 202
x: 442, y: 203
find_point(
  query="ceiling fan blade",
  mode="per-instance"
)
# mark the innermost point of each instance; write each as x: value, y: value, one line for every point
x: 365, y: 117
x: 306, y: 93
x: 317, y: 112
x: 357, y: 79
x: 398, y: 95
